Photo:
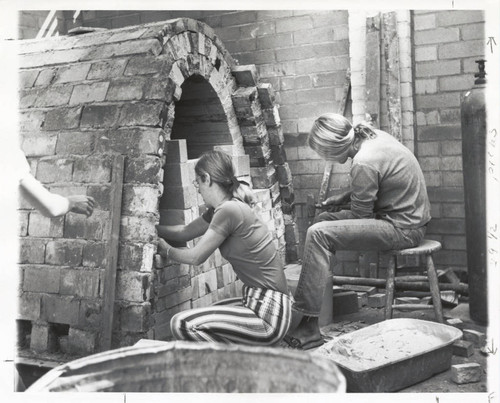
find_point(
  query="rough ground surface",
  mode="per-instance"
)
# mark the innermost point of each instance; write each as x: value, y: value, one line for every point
x: 440, y: 383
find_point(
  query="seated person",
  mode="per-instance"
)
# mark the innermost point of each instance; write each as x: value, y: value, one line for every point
x: 389, y: 209
x: 231, y: 225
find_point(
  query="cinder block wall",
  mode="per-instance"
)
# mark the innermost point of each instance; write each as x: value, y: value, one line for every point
x: 446, y: 45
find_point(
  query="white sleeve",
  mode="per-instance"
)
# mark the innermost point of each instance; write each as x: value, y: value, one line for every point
x: 49, y: 204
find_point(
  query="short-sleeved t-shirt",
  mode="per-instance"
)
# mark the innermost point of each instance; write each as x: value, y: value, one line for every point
x: 248, y: 245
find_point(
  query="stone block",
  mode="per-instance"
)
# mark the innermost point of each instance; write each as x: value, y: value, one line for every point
x: 345, y: 303
x: 362, y: 299
x: 132, y: 286
x: 177, y: 175
x: 32, y: 120
x: 135, y: 318
x: 42, y: 279
x: 266, y: 95
x: 54, y: 170
x: 245, y: 76
x: 45, y: 77
x: 475, y: 337
x: 80, y: 283
x: 179, y: 197
x: 376, y: 300
x: 94, y: 254
x: 140, y: 200
x: 95, y: 227
x: 39, y: 338
x: 90, y: 315
x: 60, y: 309
x: 29, y: 306
x: 86, y: 93
x: 145, y: 169
x: 131, y: 141
x: 92, y: 170
x: 466, y: 373
x: 136, y: 256
x: 114, y: 67
x: 99, y: 116
x: 271, y: 116
x: 27, y: 78
x: 75, y: 143
x: 31, y: 251
x: 81, y: 342
x: 129, y: 89
x: 63, y: 252
x: 284, y: 174
x: 40, y: 226
x: 63, y: 118
x: 39, y: 143
x: 72, y: 73
x: 463, y: 348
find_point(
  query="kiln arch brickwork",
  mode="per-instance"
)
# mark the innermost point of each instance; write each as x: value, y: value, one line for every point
x: 87, y: 100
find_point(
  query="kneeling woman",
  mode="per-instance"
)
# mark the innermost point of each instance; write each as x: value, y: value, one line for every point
x: 231, y: 225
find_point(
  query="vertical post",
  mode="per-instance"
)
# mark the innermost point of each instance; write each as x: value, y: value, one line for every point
x: 112, y: 253
x: 434, y: 287
x: 390, y: 41
x: 372, y: 92
x: 389, y: 287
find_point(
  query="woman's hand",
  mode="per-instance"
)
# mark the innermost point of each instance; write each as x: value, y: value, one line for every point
x: 81, y: 204
x: 163, y: 247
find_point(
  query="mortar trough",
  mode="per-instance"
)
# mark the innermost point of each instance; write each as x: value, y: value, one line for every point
x: 393, y: 354
x: 195, y: 367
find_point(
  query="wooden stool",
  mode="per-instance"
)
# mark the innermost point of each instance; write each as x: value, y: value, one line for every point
x: 426, y: 248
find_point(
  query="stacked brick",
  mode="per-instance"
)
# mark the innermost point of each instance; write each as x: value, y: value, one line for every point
x: 85, y: 100
x: 447, y: 43
x: 263, y: 139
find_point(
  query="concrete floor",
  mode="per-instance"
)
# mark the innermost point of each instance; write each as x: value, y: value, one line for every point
x: 440, y: 383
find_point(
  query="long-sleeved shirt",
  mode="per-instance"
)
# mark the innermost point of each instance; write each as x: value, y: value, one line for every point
x: 387, y: 182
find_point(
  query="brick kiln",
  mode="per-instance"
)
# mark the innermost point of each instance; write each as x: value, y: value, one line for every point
x: 121, y: 115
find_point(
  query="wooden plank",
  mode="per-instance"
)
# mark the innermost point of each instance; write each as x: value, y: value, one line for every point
x: 390, y: 44
x: 461, y: 288
x: 112, y: 252
x: 372, y: 88
x: 327, y: 173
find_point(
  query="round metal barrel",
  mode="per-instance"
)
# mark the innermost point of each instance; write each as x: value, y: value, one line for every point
x: 195, y: 367
x: 473, y: 116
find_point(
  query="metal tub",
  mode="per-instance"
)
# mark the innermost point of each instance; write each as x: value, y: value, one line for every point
x: 404, y: 352
x: 195, y: 367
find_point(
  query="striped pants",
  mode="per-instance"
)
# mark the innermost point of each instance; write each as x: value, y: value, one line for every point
x: 262, y: 319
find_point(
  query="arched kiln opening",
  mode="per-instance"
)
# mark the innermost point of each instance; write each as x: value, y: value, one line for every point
x: 200, y: 118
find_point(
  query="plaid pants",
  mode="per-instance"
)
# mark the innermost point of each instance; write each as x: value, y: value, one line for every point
x: 263, y: 318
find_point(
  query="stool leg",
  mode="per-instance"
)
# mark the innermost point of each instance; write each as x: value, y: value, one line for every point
x: 434, y: 286
x: 389, y: 287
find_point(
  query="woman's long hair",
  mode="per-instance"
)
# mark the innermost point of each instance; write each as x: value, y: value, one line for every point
x: 332, y: 135
x: 219, y: 166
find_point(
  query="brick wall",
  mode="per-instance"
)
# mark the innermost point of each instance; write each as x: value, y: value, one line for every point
x: 303, y: 54
x: 446, y: 45
x: 83, y: 101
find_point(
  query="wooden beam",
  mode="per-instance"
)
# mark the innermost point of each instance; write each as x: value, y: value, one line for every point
x: 390, y: 44
x: 325, y: 182
x: 372, y: 80
x: 461, y: 288
x: 112, y: 253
